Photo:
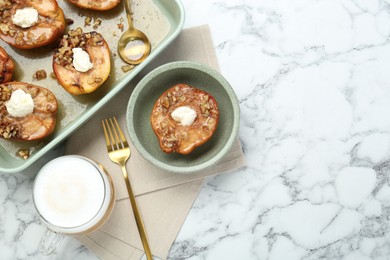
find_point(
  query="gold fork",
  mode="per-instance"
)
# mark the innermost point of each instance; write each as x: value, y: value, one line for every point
x: 119, y: 151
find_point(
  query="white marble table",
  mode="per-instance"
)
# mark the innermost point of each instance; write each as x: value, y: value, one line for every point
x: 313, y: 80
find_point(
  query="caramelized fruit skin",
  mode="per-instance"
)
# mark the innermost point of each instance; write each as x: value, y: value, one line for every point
x: 39, y: 124
x: 173, y: 136
x: 7, y: 67
x: 76, y: 82
x: 50, y: 26
x: 97, y: 5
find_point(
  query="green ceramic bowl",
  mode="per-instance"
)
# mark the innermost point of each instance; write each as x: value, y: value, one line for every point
x: 149, y: 90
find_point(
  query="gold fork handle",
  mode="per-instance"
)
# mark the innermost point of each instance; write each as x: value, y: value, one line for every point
x: 137, y: 215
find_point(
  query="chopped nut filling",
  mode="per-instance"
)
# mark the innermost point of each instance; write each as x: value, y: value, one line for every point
x: 6, y: 16
x: 175, y: 137
x: 75, y: 38
x: 7, y: 128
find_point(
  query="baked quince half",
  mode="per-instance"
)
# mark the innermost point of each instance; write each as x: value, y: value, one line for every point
x: 27, y: 112
x: 99, y: 5
x: 7, y: 66
x: 28, y: 24
x: 82, y: 61
x: 184, y: 118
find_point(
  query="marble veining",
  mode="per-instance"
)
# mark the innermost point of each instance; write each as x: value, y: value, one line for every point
x: 313, y: 81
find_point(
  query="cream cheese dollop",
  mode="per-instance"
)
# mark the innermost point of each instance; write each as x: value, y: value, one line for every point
x: 184, y: 115
x: 81, y: 60
x: 20, y: 104
x: 25, y: 17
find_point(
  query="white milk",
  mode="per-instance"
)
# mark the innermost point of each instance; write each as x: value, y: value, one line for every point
x: 71, y: 194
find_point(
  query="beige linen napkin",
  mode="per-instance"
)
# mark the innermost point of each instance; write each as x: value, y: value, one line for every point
x: 164, y: 198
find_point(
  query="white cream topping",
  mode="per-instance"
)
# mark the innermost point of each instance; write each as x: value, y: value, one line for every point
x: 81, y: 60
x: 25, y: 17
x: 184, y: 115
x: 20, y: 104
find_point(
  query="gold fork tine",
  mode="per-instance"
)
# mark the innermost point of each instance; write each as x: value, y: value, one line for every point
x: 108, y: 143
x: 118, y: 142
x: 114, y: 144
x: 124, y: 141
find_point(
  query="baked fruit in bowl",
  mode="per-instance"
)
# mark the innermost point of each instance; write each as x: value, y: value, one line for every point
x: 82, y: 63
x: 28, y: 24
x: 183, y: 117
x: 27, y: 112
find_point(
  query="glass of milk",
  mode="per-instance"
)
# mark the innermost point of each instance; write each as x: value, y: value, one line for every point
x: 73, y: 196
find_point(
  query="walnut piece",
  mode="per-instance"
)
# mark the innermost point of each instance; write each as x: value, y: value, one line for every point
x: 40, y: 74
x: 97, y: 22
x: 23, y: 153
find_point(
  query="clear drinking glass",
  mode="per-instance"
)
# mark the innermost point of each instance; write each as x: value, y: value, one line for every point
x: 74, y: 196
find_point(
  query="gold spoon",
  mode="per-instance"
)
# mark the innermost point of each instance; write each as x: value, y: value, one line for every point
x: 133, y: 46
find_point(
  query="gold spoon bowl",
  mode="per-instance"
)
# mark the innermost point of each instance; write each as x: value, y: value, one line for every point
x: 133, y: 46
